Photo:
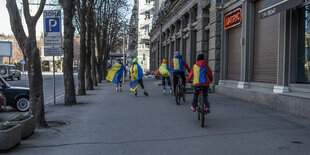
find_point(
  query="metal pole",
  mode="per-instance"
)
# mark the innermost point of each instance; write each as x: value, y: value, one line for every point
x: 54, y: 84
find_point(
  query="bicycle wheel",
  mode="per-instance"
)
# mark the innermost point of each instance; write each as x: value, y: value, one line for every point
x: 177, y: 94
x: 202, y: 112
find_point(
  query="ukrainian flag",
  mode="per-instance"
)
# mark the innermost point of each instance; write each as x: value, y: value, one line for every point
x: 200, y: 74
x: 164, y: 70
x: 115, y: 74
x: 178, y: 64
x: 139, y: 75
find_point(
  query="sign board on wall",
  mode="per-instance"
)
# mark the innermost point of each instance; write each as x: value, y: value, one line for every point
x: 232, y: 19
x: 5, y: 49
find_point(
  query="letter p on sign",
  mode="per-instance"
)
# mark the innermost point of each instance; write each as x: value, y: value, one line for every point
x: 52, y: 24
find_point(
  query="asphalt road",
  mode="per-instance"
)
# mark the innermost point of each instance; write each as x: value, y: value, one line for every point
x: 47, y: 86
x: 107, y: 122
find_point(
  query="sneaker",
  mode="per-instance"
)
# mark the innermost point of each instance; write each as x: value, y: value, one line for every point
x: 164, y: 91
x: 193, y: 109
x: 120, y: 88
x: 170, y: 90
x: 207, y: 110
x: 116, y: 89
x: 146, y: 94
x: 136, y: 93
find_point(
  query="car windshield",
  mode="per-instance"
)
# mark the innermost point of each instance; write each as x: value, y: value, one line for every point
x: 4, y: 83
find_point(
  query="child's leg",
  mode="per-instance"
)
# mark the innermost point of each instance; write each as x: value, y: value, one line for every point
x: 194, y: 103
x: 169, y: 82
x: 141, y: 83
x: 205, y: 97
x: 163, y: 80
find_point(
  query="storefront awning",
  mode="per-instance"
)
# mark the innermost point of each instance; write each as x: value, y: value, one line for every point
x: 275, y: 6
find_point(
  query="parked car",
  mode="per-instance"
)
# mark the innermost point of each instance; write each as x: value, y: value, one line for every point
x: 2, y: 101
x: 16, y: 97
x: 9, y: 72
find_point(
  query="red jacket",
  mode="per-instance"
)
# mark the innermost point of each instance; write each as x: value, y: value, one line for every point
x: 209, y: 76
x: 185, y: 65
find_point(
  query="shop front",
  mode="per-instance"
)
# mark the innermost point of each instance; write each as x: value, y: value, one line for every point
x: 266, y: 58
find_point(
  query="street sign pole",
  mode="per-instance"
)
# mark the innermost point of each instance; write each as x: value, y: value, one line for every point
x: 54, y: 83
x: 52, y: 38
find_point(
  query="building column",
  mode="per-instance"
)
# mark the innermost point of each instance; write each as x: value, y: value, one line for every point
x: 247, y: 43
x: 214, y: 52
x: 183, y: 40
x: 283, y: 55
x: 193, y: 39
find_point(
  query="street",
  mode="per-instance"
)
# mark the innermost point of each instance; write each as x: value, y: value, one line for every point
x: 107, y: 122
x: 47, y: 85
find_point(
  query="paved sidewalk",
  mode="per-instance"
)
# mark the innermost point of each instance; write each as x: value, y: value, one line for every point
x: 106, y: 122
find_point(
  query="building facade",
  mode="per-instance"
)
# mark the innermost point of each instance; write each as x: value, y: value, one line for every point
x: 258, y: 50
x: 141, y: 24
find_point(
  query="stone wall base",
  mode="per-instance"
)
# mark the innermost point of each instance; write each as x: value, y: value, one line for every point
x: 283, y: 102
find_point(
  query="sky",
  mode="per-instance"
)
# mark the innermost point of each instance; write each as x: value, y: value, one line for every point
x: 4, y: 18
x: 5, y: 27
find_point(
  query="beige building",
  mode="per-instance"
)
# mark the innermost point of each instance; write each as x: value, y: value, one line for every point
x: 144, y: 14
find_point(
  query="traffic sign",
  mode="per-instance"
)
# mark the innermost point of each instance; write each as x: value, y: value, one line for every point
x: 52, y: 51
x: 23, y: 62
x: 52, y: 23
x: 52, y: 41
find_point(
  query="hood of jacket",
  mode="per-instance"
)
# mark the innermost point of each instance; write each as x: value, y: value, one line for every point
x: 201, y: 63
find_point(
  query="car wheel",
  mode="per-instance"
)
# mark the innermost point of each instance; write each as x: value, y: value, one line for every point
x: 12, y: 78
x: 19, y: 77
x: 22, y: 104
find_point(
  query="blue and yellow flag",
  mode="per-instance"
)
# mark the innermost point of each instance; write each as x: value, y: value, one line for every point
x: 200, y: 74
x: 178, y: 63
x: 164, y: 70
x: 136, y: 75
x: 115, y: 74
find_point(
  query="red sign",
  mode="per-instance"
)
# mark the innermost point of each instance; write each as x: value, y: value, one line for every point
x: 232, y: 19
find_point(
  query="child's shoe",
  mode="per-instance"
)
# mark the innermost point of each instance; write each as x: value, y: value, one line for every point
x: 193, y: 109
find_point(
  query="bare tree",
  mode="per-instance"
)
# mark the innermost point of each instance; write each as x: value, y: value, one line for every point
x: 89, y: 81
x: 82, y: 27
x: 28, y: 44
x: 69, y: 11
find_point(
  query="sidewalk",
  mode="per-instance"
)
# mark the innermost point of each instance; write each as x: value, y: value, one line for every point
x: 106, y: 122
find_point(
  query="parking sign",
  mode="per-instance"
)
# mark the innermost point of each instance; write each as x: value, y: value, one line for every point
x: 52, y: 23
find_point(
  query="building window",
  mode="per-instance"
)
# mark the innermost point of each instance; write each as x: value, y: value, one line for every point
x: 303, y: 56
x: 143, y: 56
x: 147, y: 1
x: 147, y: 15
x: 146, y: 29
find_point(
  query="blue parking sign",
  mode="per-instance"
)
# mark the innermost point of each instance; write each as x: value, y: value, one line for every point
x: 52, y: 24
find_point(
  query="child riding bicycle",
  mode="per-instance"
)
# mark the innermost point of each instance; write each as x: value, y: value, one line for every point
x: 202, y: 75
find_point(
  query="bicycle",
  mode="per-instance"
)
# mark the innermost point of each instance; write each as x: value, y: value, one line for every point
x: 201, y: 107
x: 179, y: 92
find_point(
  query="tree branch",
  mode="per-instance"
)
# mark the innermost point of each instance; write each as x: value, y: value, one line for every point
x: 40, y: 10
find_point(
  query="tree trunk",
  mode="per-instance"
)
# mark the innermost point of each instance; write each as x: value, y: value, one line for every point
x: 32, y: 55
x: 82, y: 20
x: 93, y: 51
x: 89, y: 81
x: 100, y: 58
x: 69, y: 11
x: 36, y: 84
